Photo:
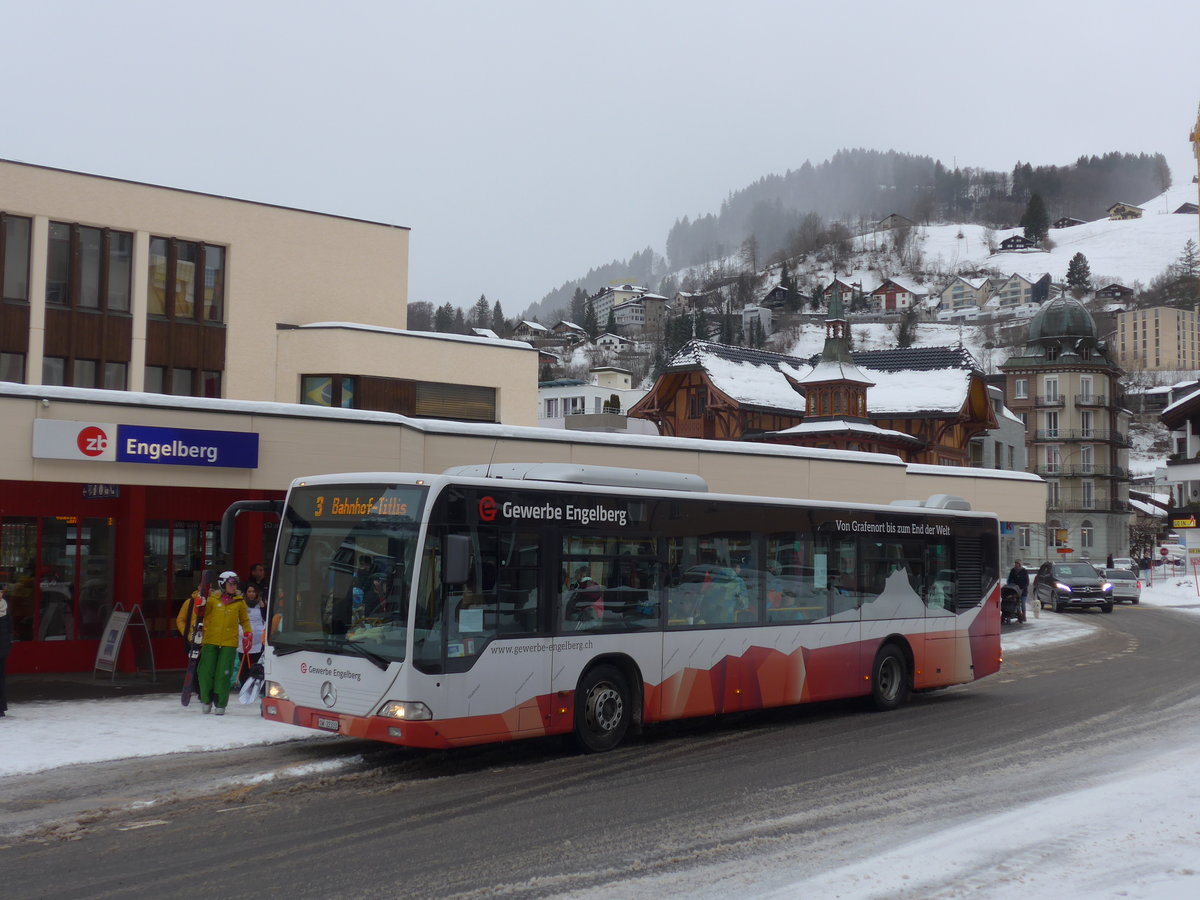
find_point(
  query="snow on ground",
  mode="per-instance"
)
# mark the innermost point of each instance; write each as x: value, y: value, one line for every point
x: 1151, y: 849
x: 1127, y: 251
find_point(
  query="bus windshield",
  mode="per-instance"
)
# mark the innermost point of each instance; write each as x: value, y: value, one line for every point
x: 344, y: 570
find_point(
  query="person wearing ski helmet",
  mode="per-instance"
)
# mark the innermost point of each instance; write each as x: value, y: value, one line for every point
x: 224, y: 611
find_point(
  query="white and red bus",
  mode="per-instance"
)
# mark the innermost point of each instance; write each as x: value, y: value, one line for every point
x: 495, y: 603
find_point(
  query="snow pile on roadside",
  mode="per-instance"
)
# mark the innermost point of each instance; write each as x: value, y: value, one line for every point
x: 45, y: 735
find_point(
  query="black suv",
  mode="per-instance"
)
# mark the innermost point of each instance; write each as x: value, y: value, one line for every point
x: 1071, y: 584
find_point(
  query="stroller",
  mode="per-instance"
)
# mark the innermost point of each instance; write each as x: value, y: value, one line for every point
x: 1010, y: 604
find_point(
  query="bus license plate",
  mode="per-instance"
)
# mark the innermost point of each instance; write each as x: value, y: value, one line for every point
x: 327, y: 724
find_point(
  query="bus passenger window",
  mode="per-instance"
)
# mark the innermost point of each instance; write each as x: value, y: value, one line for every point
x: 583, y: 601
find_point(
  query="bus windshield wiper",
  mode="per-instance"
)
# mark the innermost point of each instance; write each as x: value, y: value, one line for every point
x: 357, y: 646
x: 284, y: 649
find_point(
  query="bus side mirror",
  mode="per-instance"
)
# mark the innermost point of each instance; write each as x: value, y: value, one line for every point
x: 456, y: 556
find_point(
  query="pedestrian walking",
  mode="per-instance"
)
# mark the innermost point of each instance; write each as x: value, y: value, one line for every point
x: 1019, y: 578
x: 6, y: 637
x: 1109, y: 561
x: 256, y: 608
x: 224, y: 611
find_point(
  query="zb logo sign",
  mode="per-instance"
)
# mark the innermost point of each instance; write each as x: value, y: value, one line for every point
x: 92, y: 441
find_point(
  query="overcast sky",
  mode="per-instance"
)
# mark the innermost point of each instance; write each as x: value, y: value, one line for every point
x: 525, y: 142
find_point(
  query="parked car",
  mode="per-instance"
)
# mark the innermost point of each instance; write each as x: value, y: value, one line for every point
x: 1125, y: 562
x: 1125, y: 585
x: 1073, y: 584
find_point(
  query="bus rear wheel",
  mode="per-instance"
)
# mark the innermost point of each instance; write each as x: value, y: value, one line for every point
x: 602, y: 709
x: 889, y: 678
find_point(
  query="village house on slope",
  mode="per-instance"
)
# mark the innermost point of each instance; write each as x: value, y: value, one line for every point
x: 924, y: 404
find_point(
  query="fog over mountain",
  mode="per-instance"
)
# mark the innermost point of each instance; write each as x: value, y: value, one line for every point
x: 785, y: 216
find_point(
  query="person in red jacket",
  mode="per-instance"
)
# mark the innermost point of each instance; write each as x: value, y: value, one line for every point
x: 224, y: 611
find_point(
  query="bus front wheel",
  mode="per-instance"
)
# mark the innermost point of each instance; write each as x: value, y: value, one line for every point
x: 602, y: 709
x: 889, y: 678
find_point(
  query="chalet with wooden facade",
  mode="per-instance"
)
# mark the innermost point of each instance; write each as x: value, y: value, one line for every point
x: 1018, y: 242
x: 924, y: 404
x: 1114, y: 291
x: 1066, y: 222
x: 1120, y: 211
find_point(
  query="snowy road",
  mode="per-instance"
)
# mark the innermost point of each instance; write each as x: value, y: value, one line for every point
x: 1063, y: 776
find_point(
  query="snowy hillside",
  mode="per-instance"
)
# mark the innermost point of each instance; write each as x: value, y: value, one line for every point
x: 1129, y: 251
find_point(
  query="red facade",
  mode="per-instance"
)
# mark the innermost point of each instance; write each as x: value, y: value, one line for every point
x: 71, y: 552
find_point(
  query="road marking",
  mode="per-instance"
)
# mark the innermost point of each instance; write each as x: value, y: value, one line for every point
x: 243, y: 806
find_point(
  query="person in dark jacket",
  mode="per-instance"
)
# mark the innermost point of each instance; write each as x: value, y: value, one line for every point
x: 6, y: 635
x: 1019, y: 578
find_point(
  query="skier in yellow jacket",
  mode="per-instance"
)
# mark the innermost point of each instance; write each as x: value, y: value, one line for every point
x: 224, y: 610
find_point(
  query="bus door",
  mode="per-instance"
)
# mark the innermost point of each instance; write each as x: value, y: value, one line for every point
x: 485, y: 636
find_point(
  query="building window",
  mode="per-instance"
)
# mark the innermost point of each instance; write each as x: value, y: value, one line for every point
x: 12, y: 367
x: 1087, y: 456
x: 1087, y: 535
x: 328, y: 390
x: 14, y: 257
x: 697, y: 402
x: 1024, y: 533
x: 210, y: 384
x: 1053, y: 460
x: 176, y: 270
x: 1057, y: 536
x: 1053, y: 496
x: 1021, y: 389
x: 115, y: 378
x: 1087, y: 494
x: 83, y: 373
x: 54, y: 370
x: 552, y: 408
x: 88, y: 268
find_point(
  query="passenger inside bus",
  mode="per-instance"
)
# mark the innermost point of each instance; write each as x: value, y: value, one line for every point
x: 585, y: 602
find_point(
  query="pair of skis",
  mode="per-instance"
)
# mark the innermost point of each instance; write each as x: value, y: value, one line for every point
x: 195, y: 637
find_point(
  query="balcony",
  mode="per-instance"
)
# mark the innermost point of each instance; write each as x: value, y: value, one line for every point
x: 1054, y: 400
x: 1050, y: 470
x: 1077, y: 501
x: 1101, y: 435
x: 1091, y: 400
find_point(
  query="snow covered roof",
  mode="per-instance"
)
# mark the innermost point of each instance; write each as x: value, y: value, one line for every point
x: 842, y: 426
x: 751, y: 377
x: 763, y: 379
x: 909, y: 392
x: 834, y: 370
x: 430, y: 335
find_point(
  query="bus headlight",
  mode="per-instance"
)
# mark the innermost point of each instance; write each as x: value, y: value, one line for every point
x: 275, y: 691
x: 408, y: 710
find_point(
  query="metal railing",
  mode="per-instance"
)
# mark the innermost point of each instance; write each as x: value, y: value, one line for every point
x: 1102, y: 435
